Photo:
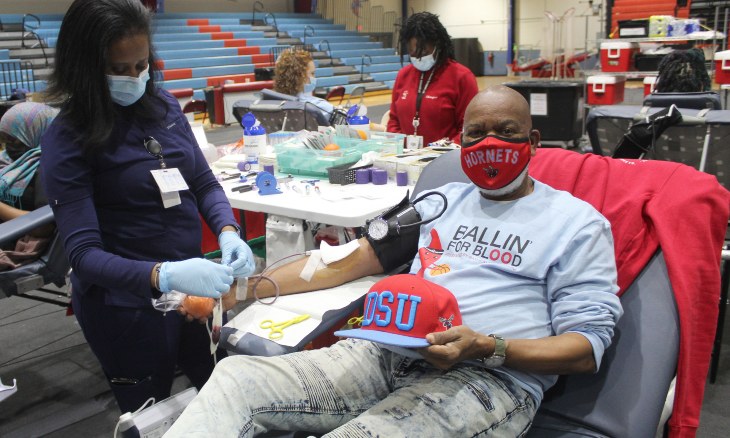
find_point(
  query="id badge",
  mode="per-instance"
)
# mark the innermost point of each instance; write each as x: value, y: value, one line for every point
x: 414, y: 142
x: 170, y: 182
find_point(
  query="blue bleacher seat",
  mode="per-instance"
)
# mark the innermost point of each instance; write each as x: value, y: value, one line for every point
x: 194, y: 41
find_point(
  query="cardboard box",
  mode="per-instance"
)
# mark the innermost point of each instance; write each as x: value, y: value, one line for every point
x: 415, y: 167
x: 412, y: 162
x: 659, y: 25
x: 633, y: 28
x: 605, y: 90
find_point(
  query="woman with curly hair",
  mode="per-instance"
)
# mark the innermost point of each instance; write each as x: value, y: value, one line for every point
x: 430, y: 95
x: 294, y: 75
x: 683, y: 71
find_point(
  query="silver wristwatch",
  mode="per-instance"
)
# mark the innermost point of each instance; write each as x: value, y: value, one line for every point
x: 496, y: 359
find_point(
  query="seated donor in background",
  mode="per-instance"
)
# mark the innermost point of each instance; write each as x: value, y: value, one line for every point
x: 21, y: 129
x: 294, y: 75
x: 683, y: 71
x: 534, y: 274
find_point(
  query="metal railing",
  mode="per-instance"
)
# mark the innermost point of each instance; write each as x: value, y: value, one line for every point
x: 329, y: 49
x: 25, y: 26
x: 362, y: 66
x: 14, y: 75
x: 39, y: 44
x: 306, y: 34
x: 254, y: 10
x: 273, y: 19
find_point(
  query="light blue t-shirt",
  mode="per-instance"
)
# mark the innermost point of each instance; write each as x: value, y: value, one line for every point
x: 537, y: 266
x: 316, y: 101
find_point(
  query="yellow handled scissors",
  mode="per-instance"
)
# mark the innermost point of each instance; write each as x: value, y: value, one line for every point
x: 277, y: 328
x: 355, y: 320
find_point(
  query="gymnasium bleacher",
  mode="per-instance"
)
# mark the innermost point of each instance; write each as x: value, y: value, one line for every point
x: 197, y: 51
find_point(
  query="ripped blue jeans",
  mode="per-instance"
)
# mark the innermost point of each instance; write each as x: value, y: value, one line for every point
x: 354, y: 389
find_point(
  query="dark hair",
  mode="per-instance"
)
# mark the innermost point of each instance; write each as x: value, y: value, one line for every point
x: 426, y: 28
x: 78, y: 81
x: 683, y: 71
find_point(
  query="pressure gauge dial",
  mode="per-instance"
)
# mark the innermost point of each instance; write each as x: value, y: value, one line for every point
x: 378, y: 228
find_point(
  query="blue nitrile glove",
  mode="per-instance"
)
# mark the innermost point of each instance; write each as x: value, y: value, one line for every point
x: 236, y: 254
x: 196, y: 277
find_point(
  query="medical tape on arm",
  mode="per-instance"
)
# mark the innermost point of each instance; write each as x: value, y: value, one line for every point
x: 326, y: 255
x: 313, y: 264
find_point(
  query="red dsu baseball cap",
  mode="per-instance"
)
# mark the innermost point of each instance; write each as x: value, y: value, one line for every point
x: 402, y: 309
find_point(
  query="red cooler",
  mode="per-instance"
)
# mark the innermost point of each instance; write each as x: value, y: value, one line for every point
x: 618, y: 55
x: 722, y: 67
x: 605, y: 90
x: 649, y: 83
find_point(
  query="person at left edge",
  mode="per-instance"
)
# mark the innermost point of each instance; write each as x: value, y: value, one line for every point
x: 124, y: 245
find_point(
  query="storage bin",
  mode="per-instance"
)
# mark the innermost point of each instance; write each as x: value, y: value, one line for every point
x: 556, y: 107
x: 722, y: 67
x: 605, y: 90
x: 293, y: 157
x: 618, y: 55
x: 633, y: 28
x: 648, y: 62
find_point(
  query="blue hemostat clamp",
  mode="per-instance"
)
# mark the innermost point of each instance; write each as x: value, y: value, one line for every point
x: 266, y: 183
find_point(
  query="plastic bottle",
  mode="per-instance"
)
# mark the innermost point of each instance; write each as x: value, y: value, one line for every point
x: 361, y: 124
x: 254, y: 136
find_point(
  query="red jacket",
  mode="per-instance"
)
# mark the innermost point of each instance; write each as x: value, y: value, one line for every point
x: 442, y: 107
x: 653, y: 204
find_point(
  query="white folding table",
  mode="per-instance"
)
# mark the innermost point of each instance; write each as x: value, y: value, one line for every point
x: 340, y: 205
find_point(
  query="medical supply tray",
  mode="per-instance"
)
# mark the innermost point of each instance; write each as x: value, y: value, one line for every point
x: 294, y: 157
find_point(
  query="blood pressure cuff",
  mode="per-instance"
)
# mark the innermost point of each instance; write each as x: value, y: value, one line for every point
x: 394, y: 252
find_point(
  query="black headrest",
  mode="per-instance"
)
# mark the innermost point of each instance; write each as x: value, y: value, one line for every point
x: 267, y: 94
x: 698, y: 100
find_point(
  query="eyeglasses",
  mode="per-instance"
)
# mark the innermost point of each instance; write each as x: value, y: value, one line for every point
x: 154, y: 148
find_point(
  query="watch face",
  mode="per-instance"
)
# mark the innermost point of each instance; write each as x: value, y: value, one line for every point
x: 378, y: 229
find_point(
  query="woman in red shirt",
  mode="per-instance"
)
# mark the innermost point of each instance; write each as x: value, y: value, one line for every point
x: 431, y: 94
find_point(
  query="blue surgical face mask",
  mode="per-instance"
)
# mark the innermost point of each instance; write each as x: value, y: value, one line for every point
x: 424, y: 63
x: 311, y: 85
x: 126, y: 90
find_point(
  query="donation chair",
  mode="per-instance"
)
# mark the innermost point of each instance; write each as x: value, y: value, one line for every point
x: 51, y: 267
x: 336, y: 92
x: 699, y: 141
x: 282, y: 112
x: 196, y: 107
x: 626, y: 397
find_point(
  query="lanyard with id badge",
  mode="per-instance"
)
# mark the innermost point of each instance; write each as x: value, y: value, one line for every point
x: 415, y: 141
x: 169, y: 181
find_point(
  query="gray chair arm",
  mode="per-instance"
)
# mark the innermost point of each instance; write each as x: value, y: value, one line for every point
x: 11, y: 231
